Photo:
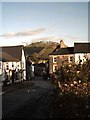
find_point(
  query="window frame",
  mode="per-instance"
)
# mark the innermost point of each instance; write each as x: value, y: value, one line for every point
x: 54, y: 59
x: 54, y: 68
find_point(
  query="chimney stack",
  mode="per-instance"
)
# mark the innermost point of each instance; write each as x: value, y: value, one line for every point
x: 62, y: 45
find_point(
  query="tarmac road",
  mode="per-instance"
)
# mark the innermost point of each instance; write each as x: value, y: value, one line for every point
x: 29, y: 101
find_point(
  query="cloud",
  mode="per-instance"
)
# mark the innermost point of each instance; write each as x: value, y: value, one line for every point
x: 24, y: 33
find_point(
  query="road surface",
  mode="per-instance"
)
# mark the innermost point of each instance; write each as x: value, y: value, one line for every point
x: 30, y: 101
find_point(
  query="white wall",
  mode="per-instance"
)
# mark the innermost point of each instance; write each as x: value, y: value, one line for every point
x: 0, y: 67
x: 81, y: 57
x: 88, y: 55
x: 20, y: 65
x: 15, y: 64
x: 23, y: 64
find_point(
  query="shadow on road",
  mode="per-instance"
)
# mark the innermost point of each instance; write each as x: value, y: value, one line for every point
x: 32, y: 101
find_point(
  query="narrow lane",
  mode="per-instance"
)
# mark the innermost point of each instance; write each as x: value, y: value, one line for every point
x: 29, y: 102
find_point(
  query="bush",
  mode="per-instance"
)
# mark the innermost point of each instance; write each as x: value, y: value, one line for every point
x: 69, y: 73
x: 72, y: 78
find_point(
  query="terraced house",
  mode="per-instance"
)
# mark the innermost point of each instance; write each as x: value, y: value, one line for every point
x: 68, y: 55
x: 61, y: 55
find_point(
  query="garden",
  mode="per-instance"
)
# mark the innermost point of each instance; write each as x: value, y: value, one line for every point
x: 72, y: 91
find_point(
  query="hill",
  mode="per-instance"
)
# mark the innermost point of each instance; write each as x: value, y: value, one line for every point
x: 42, y: 44
x: 40, y: 50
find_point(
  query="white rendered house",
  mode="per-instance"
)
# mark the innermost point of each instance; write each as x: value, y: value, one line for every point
x: 82, y: 52
x: 13, y: 58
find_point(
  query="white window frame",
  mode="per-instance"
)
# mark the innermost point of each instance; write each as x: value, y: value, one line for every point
x: 54, y: 70
x: 54, y: 59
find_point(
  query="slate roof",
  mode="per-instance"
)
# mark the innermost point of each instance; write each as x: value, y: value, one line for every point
x: 11, y: 53
x: 46, y: 53
x: 57, y: 47
x: 30, y: 50
x: 64, y: 51
x: 82, y: 47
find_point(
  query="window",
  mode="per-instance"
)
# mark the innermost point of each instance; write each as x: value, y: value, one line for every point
x: 54, y: 68
x: 54, y: 59
x: 71, y: 58
x: 7, y: 67
x: 12, y: 65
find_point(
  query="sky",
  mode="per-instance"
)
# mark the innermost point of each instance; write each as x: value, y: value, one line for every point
x: 26, y: 22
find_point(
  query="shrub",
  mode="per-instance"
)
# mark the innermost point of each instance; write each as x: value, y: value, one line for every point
x: 73, y: 77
